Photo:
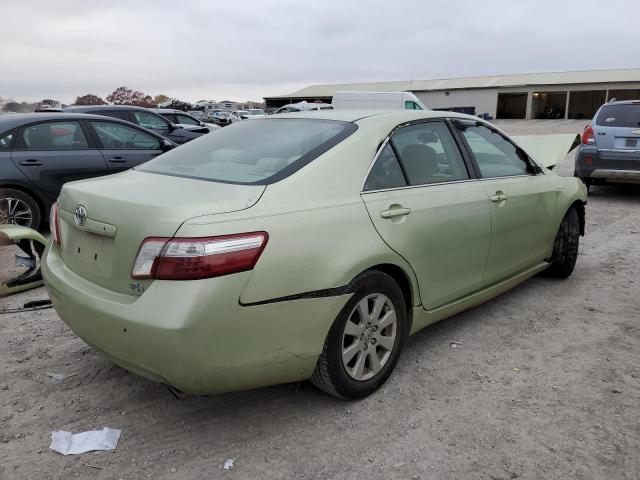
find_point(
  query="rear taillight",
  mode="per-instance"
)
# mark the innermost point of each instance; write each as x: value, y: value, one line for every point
x: 588, y: 137
x: 194, y: 258
x: 54, y: 223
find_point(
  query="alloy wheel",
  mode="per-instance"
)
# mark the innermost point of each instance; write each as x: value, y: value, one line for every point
x: 369, y: 337
x: 14, y: 211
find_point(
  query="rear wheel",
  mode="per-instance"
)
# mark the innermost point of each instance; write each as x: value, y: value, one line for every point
x: 18, y: 208
x: 565, y: 247
x: 364, y: 343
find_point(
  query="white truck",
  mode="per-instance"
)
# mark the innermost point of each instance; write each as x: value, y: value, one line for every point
x: 377, y: 101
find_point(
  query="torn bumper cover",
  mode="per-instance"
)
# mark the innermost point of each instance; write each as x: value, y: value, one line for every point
x: 32, y: 244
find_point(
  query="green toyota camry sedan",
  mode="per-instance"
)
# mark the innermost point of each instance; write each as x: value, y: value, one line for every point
x: 306, y: 245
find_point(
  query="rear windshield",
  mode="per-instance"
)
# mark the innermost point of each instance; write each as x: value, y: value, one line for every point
x: 260, y: 152
x: 621, y: 115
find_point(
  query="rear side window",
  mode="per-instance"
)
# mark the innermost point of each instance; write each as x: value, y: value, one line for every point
x: 150, y: 120
x: 186, y: 120
x: 386, y: 172
x: 5, y: 141
x: 622, y: 115
x: 253, y: 152
x: 54, y: 136
x: 116, y: 136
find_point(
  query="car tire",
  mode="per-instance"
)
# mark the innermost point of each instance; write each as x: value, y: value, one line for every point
x: 372, y: 325
x: 19, y: 208
x: 565, y: 247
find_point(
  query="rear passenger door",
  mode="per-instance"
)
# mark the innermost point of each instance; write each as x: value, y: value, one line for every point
x: 522, y: 202
x: 124, y: 146
x: 427, y: 205
x: 55, y: 152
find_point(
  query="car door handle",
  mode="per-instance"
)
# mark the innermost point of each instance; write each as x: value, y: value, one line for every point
x: 395, y: 212
x: 118, y: 160
x: 32, y: 162
x: 499, y: 197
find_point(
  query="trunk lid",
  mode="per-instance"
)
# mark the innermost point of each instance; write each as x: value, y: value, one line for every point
x: 122, y: 210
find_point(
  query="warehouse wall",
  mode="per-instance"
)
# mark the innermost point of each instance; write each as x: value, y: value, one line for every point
x: 484, y: 100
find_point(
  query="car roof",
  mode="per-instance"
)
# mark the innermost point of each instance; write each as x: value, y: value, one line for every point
x: 622, y: 102
x: 398, y: 116
x: 8, y: 122
x: 84, y: 108
x: 167, y: 110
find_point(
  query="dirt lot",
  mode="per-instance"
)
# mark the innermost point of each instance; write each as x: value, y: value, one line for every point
x: 546, y: 385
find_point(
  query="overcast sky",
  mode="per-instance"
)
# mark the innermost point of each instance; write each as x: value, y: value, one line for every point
x: 247, y: 49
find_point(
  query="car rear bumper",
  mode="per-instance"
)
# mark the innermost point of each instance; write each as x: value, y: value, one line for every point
x: 194, y: 335
x: 610, y: 165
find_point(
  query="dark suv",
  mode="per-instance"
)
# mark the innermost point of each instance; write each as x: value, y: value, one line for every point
x: 610, y: 149
x: 39, y: 152
x: 145, y: 118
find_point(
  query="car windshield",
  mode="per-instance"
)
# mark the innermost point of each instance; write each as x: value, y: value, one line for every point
x: 620, y: 115
x: 252, y: 152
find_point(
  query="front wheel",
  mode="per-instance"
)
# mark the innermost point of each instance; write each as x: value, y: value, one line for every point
x: 565, y: 247
x: 364, y: 343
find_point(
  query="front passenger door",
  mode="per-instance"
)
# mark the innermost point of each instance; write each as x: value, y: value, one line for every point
x: 522, y: 201
x: 124, y: 147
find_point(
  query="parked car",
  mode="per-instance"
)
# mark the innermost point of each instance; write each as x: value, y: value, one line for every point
x: 377, y: 101
x: 255, y: 113
x: 145, y: 118
x: 304, y: 107
x: 241, y: 114
x: 224, y: 118
x: 39, y: 152
x: 610, y: 149
x: 311, y: 251
x: 184, y: 120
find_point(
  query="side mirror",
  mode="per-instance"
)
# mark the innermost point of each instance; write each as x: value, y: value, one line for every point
x: 167, y: 145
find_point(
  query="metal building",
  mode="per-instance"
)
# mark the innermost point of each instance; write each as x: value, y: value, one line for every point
x: 574, y: 95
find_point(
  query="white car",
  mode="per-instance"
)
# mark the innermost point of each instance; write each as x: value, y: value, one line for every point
x: 304, y: 107
x: 184, y: 120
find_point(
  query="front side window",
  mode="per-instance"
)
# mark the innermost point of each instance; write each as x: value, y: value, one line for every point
x: 116, y: 136
x: 429, y: 154
x: 386, y: 172
x: 186, y: 120
x: 5, y: 140
x: 495, y: 155
x: 150, y: 120
x: 410, y: 105
x: 253, y: 152
x: 54, y: 136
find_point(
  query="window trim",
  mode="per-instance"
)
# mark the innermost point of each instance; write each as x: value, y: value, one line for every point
x: 469, y: 165
x: 20, y: 145
x: 101, y: 146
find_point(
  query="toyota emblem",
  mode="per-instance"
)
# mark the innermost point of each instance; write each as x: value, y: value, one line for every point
x: 80, y: 215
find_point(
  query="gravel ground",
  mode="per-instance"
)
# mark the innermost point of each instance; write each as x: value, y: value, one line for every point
x: 546, y: 385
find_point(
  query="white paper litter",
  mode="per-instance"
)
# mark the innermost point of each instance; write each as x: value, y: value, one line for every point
x: 59, y: 377
x: 228, y: 464
x: 68, y: 443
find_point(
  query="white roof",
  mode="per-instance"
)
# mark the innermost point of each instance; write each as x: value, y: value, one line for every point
x: 554, y: 78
